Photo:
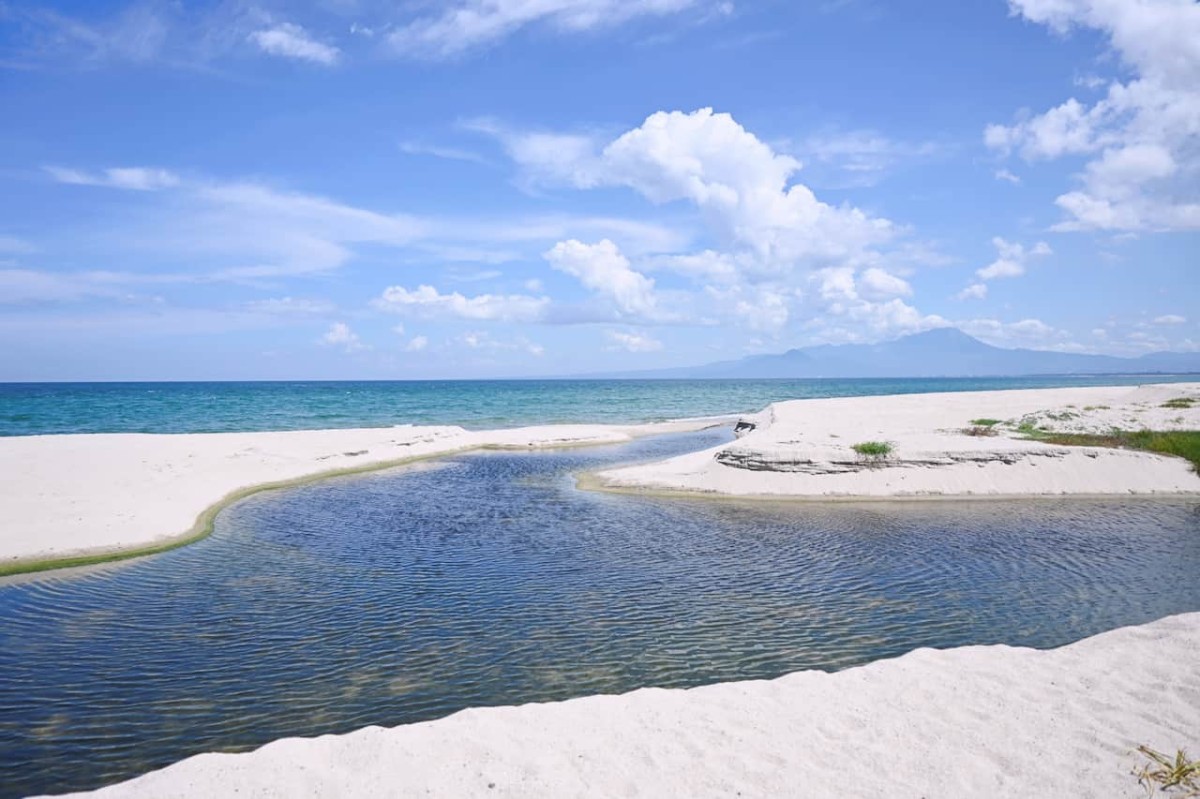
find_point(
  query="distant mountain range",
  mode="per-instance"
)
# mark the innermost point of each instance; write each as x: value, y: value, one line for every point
x: 945, y: 352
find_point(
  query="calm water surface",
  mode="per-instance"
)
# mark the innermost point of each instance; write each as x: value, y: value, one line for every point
x: 408, y: 595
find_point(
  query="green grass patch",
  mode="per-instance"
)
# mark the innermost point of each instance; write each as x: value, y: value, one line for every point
x: 1031, y: 430
x: 985, y: 422
x: 1179, y: 402
x: 1180, y: 443
x: 873, y: 450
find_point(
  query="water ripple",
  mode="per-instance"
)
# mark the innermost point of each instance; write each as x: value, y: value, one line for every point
x: 408, y: 595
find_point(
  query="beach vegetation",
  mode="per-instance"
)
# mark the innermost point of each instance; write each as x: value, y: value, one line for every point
x: 1180, y: 402
x: 1180, y: 443
x: 1095, y: 407
x: 1178, y: 776
x: 980, y: 430
x: 1030, y: 429
x: 985, y: 422
x: 873, y: 451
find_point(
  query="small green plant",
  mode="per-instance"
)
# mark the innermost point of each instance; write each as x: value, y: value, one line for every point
x: 1179, y: 402
x: 873, y: 451
x: 985, y: 422
x: 1180, y: 777
x: 1095, y: 407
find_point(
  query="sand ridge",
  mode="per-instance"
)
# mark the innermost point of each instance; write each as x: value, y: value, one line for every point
x: 804, y: 448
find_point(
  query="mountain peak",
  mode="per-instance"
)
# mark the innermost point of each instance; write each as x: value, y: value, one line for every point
x: 941, y: 334
x: 940, y: 340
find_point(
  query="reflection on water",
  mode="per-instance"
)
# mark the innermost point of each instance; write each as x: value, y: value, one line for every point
x: 403, y: 596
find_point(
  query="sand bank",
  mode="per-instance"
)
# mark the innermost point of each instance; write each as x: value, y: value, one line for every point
x: 85, y: 495
x: 804, y: 448
x: 988, y: 721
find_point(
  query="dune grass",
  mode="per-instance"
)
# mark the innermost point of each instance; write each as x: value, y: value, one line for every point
x: 1178, y: 776
x: 1180, y: 443
x: 1179, y: 403
x: 985, y: 422
x: 873, y: 451
x: 979, y: 430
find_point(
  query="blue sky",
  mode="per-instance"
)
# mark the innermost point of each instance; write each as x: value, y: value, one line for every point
x: 482, y: 188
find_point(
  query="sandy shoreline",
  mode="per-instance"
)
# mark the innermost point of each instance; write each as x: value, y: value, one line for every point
x: 973, y: 721
x: 94, y: 496
x: 991, y: 721
x: 89, y: 497
x: 803, y: 449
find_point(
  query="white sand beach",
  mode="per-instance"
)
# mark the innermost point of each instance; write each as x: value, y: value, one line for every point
x: 977, y: 721
x: 804, y: 448
x: 68, y: 495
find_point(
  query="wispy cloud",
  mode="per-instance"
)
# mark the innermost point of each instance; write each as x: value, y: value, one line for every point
x: 632, y: 341
x: 13, y: 245
x: 292, y: 41
x: 133, y: 178
x: 860, y: 157
x: 1008, y: 177
x: 466, y: 25
x: 439, y: 151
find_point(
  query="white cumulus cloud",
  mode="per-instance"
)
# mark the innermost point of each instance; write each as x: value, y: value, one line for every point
x: 632, y: 342
x: 743, y: 188
x: 602, y: 268
x: 428, y: 301
x: 975, y: 291
x: 340, y: 335
x: 878, y: 284
x: 1011, y: 259
x: 1143, y: 172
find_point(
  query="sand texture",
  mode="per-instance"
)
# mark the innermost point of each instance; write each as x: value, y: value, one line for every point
x: 804, y: 448
x: 70, y: 495
x: 988, y: 721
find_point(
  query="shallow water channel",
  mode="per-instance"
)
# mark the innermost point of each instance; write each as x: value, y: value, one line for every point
x: 489, y: 579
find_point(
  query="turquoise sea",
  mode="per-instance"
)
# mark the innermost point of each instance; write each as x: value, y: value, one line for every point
x: 51, y: 408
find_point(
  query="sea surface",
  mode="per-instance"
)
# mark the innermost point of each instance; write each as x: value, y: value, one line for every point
x: 47, y: 408
x: 490, y: 579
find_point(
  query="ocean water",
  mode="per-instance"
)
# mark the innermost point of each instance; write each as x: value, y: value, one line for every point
x: 489, y: 579
x: 49, y: 408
